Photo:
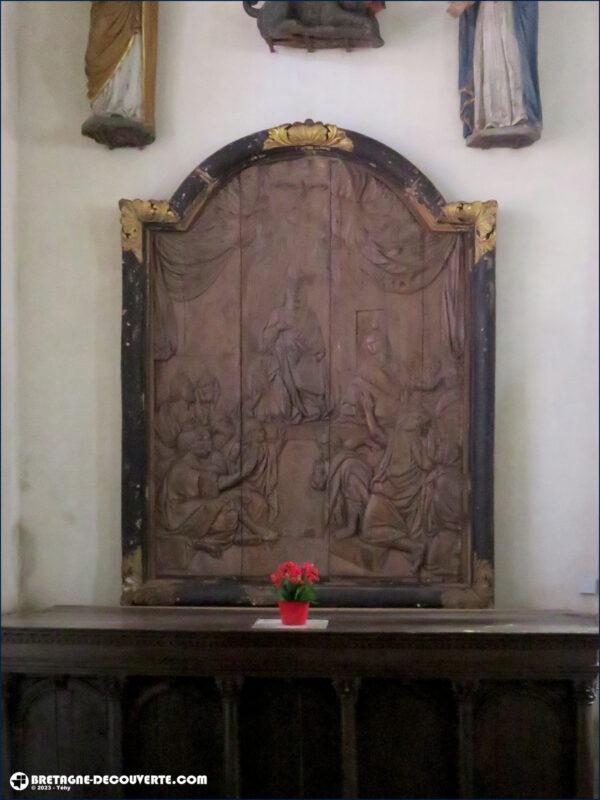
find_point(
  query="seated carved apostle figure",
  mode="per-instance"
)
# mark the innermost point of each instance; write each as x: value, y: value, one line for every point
x: 178, y: 412
x: 388, y: 380
x: 192, y: 499
x: 443, y: 508
x: 260, y: 502
x: 347, y: 478
x: 393, y: 517
x: 210, y: 412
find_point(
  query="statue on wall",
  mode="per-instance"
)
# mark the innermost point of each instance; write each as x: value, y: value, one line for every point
x: 318, y: 25
x: 120, y: 65
x: 498, y: 75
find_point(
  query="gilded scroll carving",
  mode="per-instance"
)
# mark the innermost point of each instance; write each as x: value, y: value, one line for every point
x: 479, y: 595
x: 131, y: 573
x: 307, y: 134
x: 134, y: 213
x: 480, y: 214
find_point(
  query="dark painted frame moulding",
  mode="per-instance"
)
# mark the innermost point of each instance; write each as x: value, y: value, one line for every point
x: 476, y: 219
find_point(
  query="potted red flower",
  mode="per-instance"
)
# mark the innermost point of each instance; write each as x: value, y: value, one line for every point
x: 295, y: 590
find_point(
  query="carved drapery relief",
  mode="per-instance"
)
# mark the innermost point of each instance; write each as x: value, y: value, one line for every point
x: 187, y: 264
x: 381, y: 236
x: 309, y: 393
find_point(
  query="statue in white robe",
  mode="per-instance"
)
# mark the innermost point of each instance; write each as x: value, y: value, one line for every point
x: 500, y: 96
x: 120, y: 64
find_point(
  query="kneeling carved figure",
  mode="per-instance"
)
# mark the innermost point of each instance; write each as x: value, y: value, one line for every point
x: 318, y: 25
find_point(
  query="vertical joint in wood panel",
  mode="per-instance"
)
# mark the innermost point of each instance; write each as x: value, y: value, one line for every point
x: 585, y: 693
x: 465, y: 693
x: 230, y: 689
x: 114, y: 687
x: 8, y: 717
x: 347, y: 690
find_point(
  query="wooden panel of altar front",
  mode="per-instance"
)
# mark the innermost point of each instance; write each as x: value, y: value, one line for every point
x: 384, y: 703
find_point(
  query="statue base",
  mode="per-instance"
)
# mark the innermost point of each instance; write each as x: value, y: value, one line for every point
x: 115, y: 130
x: 521, y: 135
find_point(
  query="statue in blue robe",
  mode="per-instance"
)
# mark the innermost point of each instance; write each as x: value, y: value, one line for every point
x: 498, y: 78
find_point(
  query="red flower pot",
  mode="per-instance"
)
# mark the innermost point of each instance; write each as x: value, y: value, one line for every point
x: 293, y: 612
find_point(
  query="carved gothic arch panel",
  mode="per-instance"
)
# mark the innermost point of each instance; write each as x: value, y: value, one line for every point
x: 308, y: 374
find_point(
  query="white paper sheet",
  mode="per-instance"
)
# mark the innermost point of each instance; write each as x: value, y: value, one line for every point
x: 277, y: 625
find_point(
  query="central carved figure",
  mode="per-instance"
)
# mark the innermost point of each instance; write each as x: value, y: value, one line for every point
x: 293, y: 362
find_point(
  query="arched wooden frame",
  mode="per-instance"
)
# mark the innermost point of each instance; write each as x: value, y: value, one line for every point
x: 477, y: 220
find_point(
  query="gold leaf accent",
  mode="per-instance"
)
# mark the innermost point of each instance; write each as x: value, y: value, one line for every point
x: 481, y: 214
x: 132, y: 574
x: 308, y: 134
x: 481, y: 592
x: 152, y: 593
x: 136, y: 212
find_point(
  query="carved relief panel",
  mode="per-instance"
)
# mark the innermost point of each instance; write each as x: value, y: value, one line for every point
x: 314, y: 383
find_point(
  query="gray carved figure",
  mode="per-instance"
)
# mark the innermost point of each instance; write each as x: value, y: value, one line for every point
x: 442, y: 508
x: 193, y: 498
x: 289, y: 379
x: 393, y: 517
x: 318, y: 25
x: 347, y: 478
x: 260, y: 500
x: 384, y: 377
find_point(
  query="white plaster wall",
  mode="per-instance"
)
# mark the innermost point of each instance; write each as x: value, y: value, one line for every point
x: 217, y: 82
x: 10, y: 451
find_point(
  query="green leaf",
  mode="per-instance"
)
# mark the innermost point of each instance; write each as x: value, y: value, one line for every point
x: 305, y: 593
x: 302, y: 593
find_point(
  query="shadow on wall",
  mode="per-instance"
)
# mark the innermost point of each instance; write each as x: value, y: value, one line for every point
x: 513, y: 426
x: 58, y: 67
x: 104, y: 233
x: 28, y: 552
